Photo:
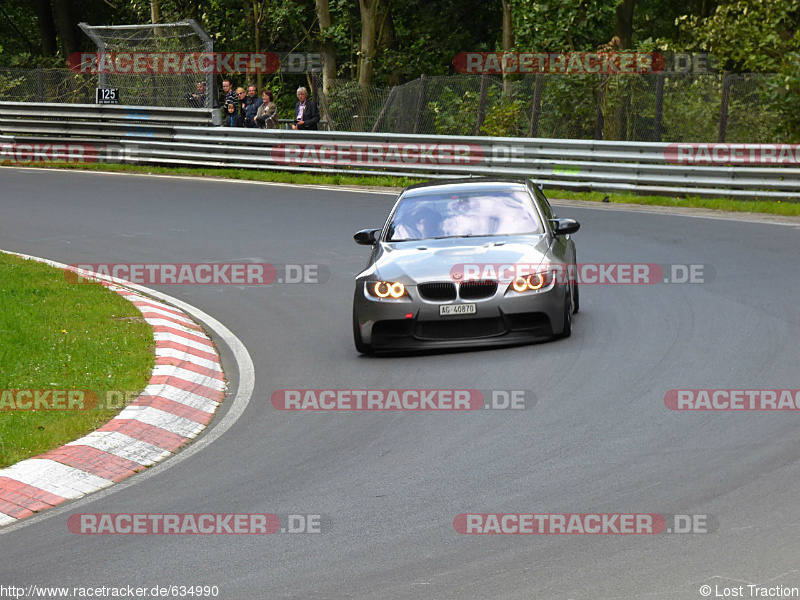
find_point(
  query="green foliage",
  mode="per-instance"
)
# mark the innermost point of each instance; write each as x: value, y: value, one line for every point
x: 503, y: 120
x: 691, y: 109
x: 563, y: 25
x: 353, y: 108
x: 452, y: 112
x: 569, y: 107
x: 419, y: 37
x: 428, y: 39
x: 747, y: 35
x: 8, y: 87
x: 761, y: 36
x: 783, y: 92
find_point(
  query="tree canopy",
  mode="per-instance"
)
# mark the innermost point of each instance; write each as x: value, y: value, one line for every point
x: 390, y: 42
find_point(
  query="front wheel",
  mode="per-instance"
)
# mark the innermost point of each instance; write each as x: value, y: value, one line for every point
x: 566, y: 331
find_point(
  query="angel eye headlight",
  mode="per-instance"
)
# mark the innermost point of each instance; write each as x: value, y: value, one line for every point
x: 386, y: 289
x: 534, y: 281
x: 520, y: 284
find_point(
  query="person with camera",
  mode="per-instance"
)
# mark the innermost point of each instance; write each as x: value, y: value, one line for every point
x: 267, y: 115
x: 198, y: 99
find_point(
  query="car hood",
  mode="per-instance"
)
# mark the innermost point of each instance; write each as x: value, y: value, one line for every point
x: 438, y: 260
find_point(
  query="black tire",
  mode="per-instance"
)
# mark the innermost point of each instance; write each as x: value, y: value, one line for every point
x: 576, y: 298
x: 567, y: 329
x: 360, y: 345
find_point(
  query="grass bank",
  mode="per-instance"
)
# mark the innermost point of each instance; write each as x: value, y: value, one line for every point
x: 56, y: 336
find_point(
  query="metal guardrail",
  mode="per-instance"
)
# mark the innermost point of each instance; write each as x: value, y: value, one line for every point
x: 287, y: 124
x: 97, y: 121
x: 161, y: 136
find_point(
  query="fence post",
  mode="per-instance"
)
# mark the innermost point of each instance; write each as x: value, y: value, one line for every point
x: 482, y: 103
x: 420, y: 103
x: 659, y: 107
x: 40, y: 82
x: 322, y: 101
x: 536, y: 107
x: 385, y: 109
x: 723, y: 109
x: 154, y: 89
x: 600, y: 123
x: 314, y: 87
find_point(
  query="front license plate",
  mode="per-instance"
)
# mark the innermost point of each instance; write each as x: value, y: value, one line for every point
x: 456, y: 309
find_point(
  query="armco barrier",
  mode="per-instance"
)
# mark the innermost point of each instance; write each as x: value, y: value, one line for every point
x: 169, y: 136
x: 96, y: 122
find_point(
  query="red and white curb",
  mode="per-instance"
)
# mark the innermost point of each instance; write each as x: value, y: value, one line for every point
x: 185, y: 389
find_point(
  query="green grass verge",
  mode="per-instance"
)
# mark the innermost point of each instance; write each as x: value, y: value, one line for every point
x: 58, y: 335
x: 774, y: 207
x: 243, y: 174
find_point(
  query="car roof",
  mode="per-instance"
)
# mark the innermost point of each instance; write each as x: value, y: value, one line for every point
x: 466, y: 185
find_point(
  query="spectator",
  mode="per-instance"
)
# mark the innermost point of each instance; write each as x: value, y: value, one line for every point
x: 230, y: 95
x: 306, y: 113
x: 198, y: 99
x: 240, y: 98
x: 232, y: 116
x: 267, y: 115
x: 251, y: 104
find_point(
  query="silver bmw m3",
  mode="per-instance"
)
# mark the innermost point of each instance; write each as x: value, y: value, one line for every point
x: 472, y: 262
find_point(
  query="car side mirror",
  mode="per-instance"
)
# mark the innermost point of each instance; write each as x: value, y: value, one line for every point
x: 564, y: 226
x: 367, y: 237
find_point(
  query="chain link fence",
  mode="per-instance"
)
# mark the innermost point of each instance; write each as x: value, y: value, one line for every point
x: 648, y: 107
x: 66, y: 87
x: 150, y: 89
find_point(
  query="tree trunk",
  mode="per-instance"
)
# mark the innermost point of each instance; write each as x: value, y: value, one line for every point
x: 328, y: 47
x: 47, y: 29
x: 623, y: 26
x: 623, y: 29
x: 508, y: 41
x: 65, y: 23
x: 155, y: 11
x: 387, y: 38
x: 366, y: 55
x: 257, y: 42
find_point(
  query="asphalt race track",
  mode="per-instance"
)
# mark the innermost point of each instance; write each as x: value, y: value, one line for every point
x: 599, y: 439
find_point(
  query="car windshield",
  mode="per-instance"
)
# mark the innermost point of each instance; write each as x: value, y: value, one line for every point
x: 474, y: 214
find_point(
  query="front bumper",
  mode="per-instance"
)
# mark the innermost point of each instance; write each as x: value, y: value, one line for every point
x: 415, y: 323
